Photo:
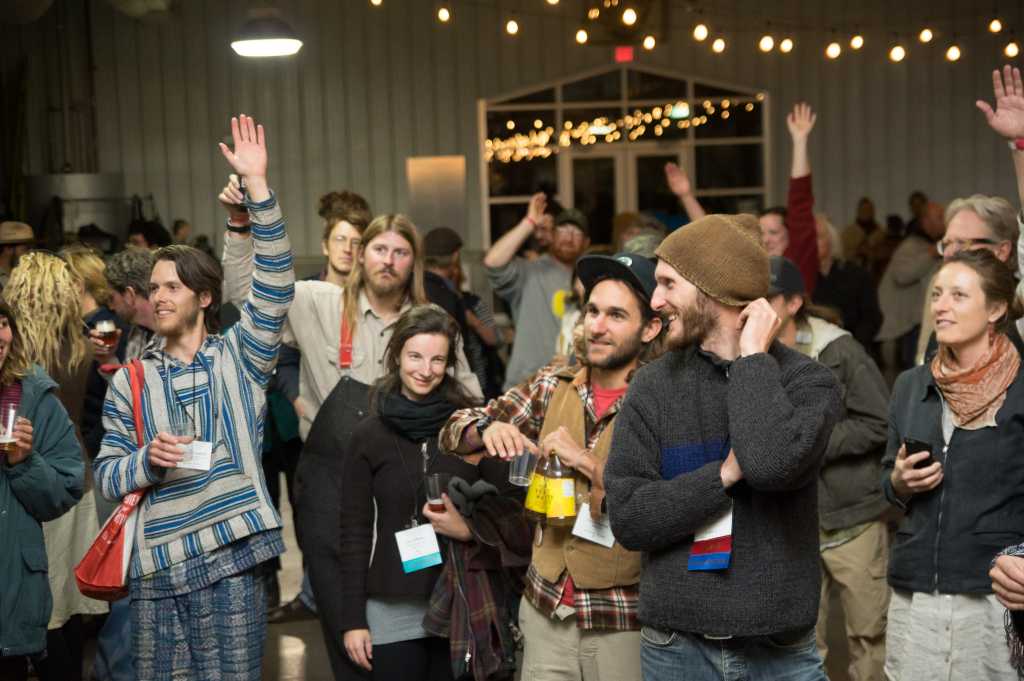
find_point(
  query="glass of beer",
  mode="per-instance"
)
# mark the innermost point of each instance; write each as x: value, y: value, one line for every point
x: 8, y: 417
x: 437, y: 483
x: 108, y: 332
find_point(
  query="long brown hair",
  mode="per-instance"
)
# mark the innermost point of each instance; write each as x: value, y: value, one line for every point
x: 404, y: 227
x: 17, y: 364
x: 43, y: 292
x: 198, y: 272
x: 997, y: 282
x: 417, y: 320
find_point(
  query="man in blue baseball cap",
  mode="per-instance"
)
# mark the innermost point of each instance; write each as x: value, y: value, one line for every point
x: 579, y: 609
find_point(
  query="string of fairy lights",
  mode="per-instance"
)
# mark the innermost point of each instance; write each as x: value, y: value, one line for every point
x: 704, y: 31
x: 542, y: 142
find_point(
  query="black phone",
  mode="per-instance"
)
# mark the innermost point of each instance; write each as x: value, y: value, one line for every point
x: 915, y: 446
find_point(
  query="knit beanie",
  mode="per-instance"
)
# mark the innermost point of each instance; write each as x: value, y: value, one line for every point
x: 722, y: 256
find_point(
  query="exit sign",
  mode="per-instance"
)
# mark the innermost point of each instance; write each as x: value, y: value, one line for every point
x: 623, y: 54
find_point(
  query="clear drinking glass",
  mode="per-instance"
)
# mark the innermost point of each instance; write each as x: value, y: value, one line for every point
x: 437, y: 484
x: 8, y: 417
x: 520, y: 469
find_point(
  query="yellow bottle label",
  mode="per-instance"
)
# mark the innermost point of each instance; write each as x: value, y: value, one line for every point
x: 561, y: 498
x: 536, y: 495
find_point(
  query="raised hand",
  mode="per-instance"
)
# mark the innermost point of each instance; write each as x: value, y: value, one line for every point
x: 1008, y: 118
x: 249, y: 157
x: 801, y: 121
x: 233, y: 199
x: 535, y: 210
x: 678, y: 181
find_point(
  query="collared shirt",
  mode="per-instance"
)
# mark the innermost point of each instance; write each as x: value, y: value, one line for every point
x: 525, y: 407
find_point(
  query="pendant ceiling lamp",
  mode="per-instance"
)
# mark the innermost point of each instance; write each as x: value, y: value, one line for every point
x: 266, y: 34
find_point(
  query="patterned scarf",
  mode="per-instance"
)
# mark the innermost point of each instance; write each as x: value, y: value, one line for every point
x: 975, y: 394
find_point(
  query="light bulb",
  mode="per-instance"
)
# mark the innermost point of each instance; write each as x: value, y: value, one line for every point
x: 857, y: 42
x: 629, y: 16
x: 581, y: 36
x: 995, y: 26
x: 376, y: 3
x: 953, y: 53
x: 719, y: 45
x: 593, y: 13
x: 833, y: 50
x: 511, y: 125
x: 649, y: 42
x: 766, y: 44
x: 786, y: 45
x: 897, y: 53
x: 512, y: 27
x: 538, y: 123
x: 700, y: 32
x: 444, y: 15
x: 1012, y: 49
x: 926, y: 35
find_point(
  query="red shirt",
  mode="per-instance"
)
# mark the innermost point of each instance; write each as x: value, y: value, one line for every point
x: 604, y: 399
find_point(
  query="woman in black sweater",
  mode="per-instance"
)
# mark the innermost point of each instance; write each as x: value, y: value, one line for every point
x: 393, y: 452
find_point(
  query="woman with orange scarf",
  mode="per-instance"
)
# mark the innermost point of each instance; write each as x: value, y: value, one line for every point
x: 955, y: 466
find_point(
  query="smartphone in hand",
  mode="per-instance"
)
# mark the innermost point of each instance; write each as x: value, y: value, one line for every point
x: 915, y: 446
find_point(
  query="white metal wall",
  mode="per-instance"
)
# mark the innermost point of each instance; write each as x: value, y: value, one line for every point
x: 373, y: 86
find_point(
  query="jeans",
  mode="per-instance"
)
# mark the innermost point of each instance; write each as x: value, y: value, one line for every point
x: 671, y: 655
x: 114, y: 657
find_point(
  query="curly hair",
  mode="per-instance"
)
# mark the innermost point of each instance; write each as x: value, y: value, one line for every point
x: 43, y: 294
x: 131, y: 269
x: 88, y: 266
x: 17, y: 365
x: 344, y: 206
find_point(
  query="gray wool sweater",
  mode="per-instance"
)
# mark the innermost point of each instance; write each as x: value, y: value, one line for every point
x: 681, y: 416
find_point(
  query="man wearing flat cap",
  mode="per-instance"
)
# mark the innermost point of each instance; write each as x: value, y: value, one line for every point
x: 16, y: 239
x: 714, y: 466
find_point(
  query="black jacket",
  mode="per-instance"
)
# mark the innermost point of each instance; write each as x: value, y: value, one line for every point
x: 848, y: 288
x: 950, y: 534
x: 381, y: 488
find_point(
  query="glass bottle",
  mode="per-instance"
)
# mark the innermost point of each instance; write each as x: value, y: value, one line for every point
x: 536, y: 493
x: 561, y: 489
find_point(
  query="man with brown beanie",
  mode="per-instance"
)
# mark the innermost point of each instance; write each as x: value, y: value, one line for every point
x: 714, y: 466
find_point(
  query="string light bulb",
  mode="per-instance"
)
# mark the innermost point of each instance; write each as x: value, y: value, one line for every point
x: 700, y: 32
x: 953, y: 53
x: 786, y: 46
x: 857, y: 42
x: 926, y: 35
x: 833, y: 50
x: 1012, y: 49
x: 510, y: 125
x: 444, y: 14
x: 629, y: 16
x: 512, y: 27
x: 897, y: 53
x: 649, y: 42
x: 376, y: 3
x: 593, y: 13
x: 995, y: 26
x: 718, y: 46
x: 582, y: 36
x: 766, y: 44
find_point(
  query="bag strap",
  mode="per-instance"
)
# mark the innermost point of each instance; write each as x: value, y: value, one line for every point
x: 137, y: 378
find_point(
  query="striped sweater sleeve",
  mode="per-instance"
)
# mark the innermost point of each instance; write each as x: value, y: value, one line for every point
x: 270, y: 292
x: 121, y: 466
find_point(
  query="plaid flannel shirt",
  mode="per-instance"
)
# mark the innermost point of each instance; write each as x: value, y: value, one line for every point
x: 525, y: 406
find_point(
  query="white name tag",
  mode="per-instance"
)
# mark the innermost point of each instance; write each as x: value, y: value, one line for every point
x: 198, y: 455
x: 598, y: 531
x: 418, y: 548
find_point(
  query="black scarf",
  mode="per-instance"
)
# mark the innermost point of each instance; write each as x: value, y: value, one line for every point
x: 416, y: 421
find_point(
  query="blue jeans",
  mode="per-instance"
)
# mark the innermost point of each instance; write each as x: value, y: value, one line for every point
x: 672, y: 655
x: 114, y: 661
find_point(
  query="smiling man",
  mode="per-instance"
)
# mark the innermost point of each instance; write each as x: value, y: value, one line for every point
x: 578, y: 614
x: 714, y: 466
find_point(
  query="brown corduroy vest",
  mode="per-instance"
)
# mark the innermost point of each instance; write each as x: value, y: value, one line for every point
x: 590, y: 565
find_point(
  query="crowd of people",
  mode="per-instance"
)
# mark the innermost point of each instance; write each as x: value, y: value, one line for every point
x: 692, y: 445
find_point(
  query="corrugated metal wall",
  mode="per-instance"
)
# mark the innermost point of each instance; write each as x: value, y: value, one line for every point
x: 373, y: 86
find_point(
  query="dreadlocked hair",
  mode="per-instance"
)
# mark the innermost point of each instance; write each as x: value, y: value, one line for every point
x: 43, y: 294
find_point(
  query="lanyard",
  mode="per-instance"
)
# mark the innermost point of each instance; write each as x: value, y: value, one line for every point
x: 413, y: 485
x: 193, y: 418
x: 345, y: 347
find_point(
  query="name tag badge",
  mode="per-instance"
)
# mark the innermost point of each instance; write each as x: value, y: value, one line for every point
x: 198, y: 456
x: 418, y: 548
x: 598, y: 531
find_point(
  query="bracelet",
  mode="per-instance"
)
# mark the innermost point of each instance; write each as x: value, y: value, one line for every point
x: 239, y: 229
x: 531, y: 221
x: 1016, y: 144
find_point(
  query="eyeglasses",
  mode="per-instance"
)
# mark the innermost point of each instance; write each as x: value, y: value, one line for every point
x: 949, y: 246
x: 343, y: 240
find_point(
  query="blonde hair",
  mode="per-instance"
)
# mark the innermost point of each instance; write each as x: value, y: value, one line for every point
x: 833, y: 235
x: 89, y: 268
x: 43, y: 294
x: 404, y: 227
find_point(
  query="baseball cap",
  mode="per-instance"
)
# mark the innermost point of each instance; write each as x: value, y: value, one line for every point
x: 629, y: 267
x: 574, y: 216
x: 785, y: 277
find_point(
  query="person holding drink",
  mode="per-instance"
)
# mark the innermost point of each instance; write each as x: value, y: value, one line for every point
x: 579, y: 609
x: 41, y: 477
x: 953, y: 465
x: 206, y: 521
x: 396, y: 505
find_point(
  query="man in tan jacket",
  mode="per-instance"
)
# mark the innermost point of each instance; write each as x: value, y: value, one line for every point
x: 579, y: 609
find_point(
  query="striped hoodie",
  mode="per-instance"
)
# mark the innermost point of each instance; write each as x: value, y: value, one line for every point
x: 221, y: 395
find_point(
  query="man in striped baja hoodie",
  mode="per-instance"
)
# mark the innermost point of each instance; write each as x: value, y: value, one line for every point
x: 206, y: 520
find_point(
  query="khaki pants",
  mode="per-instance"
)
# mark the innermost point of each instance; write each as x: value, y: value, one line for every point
x: 556, y: 650
x: 856, y: 570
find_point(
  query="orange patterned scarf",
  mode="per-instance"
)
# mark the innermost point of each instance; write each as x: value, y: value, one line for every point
x: 975, y: 394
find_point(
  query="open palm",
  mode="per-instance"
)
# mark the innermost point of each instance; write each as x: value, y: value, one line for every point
x: 801, y: 121
x: 678, y: 180
x: 1008, y: 118
x: 249, y: 157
